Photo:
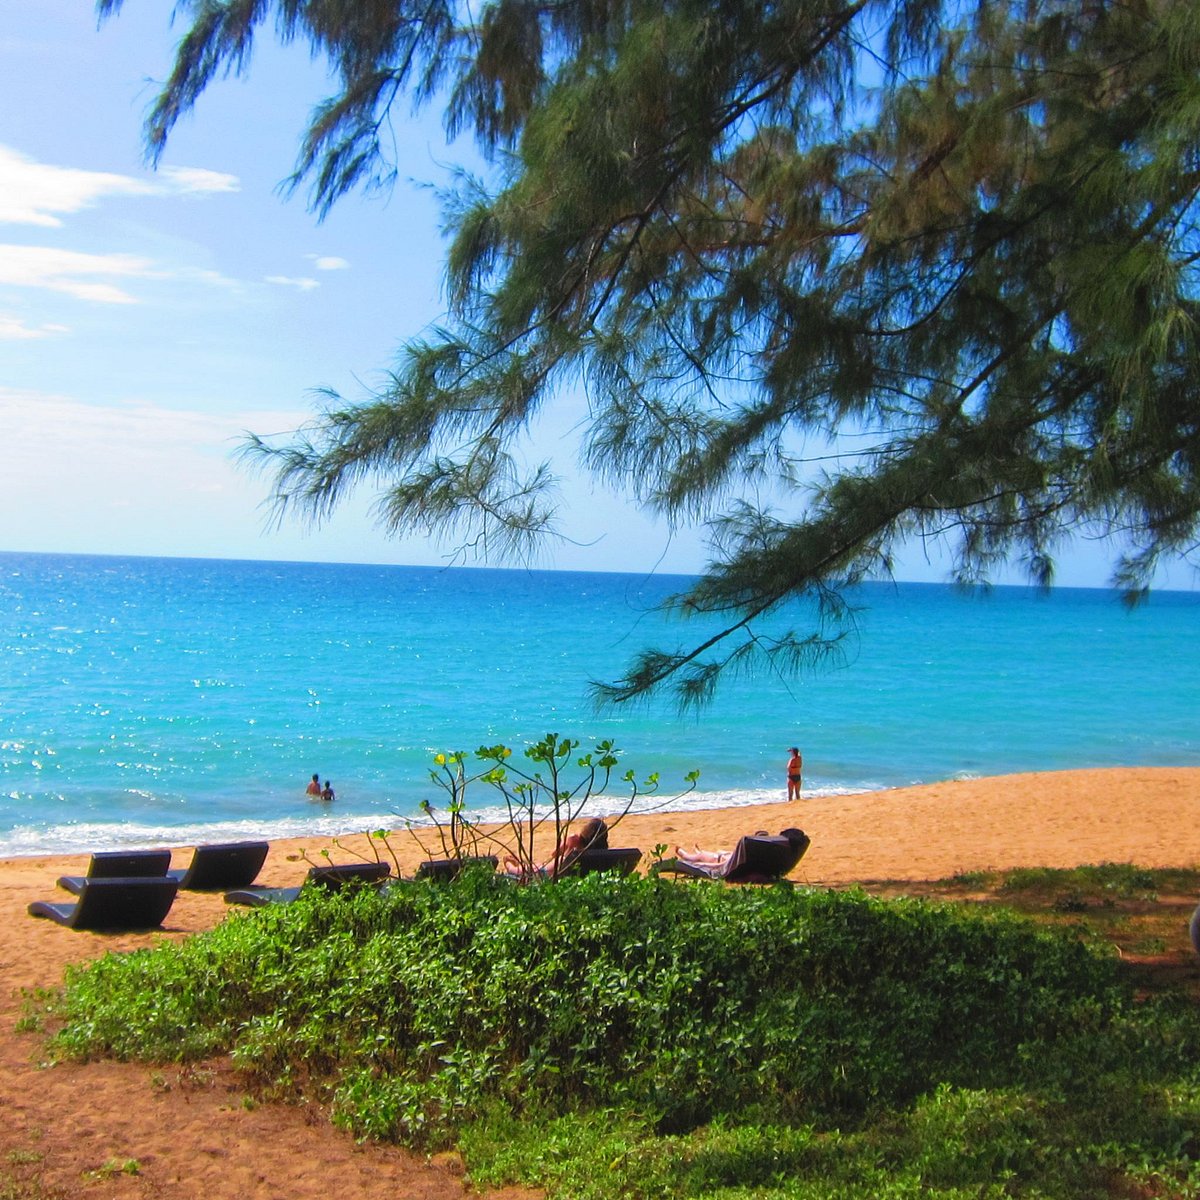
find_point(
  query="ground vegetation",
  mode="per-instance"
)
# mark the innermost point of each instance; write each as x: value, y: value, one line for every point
x: 640, y: 1037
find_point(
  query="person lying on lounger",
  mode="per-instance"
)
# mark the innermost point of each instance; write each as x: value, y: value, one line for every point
x: 757, y: 858
x: 709, y: 858
x: 592, y: 836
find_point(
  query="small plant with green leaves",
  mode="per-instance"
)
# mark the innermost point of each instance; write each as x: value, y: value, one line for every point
x: 113, y: 1167
x: 555, y: 786
x: 457, y: 833
x: 375, y: 839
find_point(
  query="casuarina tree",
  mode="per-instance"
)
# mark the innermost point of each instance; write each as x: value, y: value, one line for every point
x: 832, y: 276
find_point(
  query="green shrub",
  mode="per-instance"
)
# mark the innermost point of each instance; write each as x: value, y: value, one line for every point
x: 421, y: 1007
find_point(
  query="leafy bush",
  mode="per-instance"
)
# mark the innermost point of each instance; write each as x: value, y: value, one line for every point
x: 546, y: 788
x: 422, y: 1007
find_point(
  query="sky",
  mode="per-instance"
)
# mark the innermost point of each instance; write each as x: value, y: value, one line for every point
x: 149, y: 318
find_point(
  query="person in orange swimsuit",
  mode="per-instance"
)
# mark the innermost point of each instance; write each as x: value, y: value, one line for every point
x: 795, y: 771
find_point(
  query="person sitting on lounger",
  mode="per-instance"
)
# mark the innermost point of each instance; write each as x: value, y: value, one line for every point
x: 592, y: 836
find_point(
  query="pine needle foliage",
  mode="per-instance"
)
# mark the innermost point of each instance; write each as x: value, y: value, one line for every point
x: 950, y: 246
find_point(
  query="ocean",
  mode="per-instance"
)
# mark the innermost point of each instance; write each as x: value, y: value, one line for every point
x: 171, y: 701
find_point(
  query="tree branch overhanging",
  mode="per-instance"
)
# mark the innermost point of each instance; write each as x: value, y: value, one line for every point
x: 749, y: 228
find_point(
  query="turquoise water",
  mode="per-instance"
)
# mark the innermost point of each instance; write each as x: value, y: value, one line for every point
x: 179, y: 700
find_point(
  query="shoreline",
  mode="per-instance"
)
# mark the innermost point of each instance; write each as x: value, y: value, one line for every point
x: 87, y: 837
x: 1022, y: 811
x: 330, y: 824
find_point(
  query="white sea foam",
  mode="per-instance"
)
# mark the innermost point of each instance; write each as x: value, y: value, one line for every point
x: 606, y: 806
x: 85, y: 837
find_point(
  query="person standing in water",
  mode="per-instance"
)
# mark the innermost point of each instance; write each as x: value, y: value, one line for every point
x: 314, y: 787
x: 327, y: 792
x: 795, y: 771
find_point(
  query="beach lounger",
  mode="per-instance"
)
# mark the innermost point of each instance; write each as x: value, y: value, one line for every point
x: 216, y: 867
x: 586, y: 862
x: 120, y: 864
x: 443, y: 869
x: 333, y: 878
x: 755, y: 859
x: 112, y: 904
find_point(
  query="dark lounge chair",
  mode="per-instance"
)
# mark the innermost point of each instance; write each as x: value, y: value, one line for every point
x: 223, y: 865
x: 332, y: 878
x: 755, y: 859
x: 112, y: 904
x: 120, y: 864
x: 586, y: 862
x: 443, y: 869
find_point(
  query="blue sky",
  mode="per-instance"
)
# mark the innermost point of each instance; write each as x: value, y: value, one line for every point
x: 149, y: 318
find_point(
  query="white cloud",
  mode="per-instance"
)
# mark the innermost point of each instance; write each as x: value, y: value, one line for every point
x: 33, y: 193
x: 73, y: 272
x: 14, y: 329
x: 328, y: 262
x: 90, y: 276
x: 190, y: 180
x: 163, y: 477
x: 304, y: 284
x: 202, y: 275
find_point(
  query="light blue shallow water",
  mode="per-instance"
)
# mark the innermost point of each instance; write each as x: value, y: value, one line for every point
x: 178, y: 700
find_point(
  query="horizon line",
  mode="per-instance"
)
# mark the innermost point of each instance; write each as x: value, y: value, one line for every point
x: 531, y: 570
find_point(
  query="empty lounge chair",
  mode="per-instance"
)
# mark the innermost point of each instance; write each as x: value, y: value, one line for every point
x: 755, y: 859
x: 220, y: 866
x: 120, y: 864
x: 111, y: 904
x: 333, y: 878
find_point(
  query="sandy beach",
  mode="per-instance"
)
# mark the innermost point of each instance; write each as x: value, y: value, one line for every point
x: 116, y: 1129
